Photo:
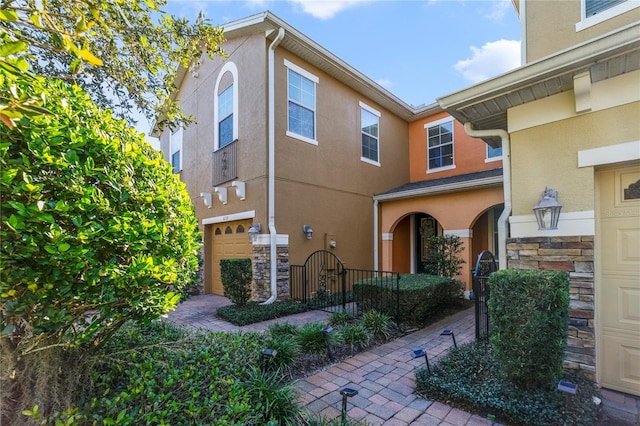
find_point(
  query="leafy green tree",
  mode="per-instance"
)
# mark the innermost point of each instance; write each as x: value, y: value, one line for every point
x: 444, y: 258
x: 95, y: 231
x: 123, y: 53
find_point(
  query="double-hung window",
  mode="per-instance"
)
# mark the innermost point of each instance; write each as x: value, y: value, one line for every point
x: 175, y: 142
x: 301, y: 115
x: 225, y: 117
x: 597, y: 11
x: 591, y: 7
x: 440, y: 145
x: 370, y: 126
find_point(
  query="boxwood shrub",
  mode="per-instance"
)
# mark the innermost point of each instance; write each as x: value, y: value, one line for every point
x: 529, y: 315
x: 254, y: 312
x: 236, y: 276
x: 419, y: 296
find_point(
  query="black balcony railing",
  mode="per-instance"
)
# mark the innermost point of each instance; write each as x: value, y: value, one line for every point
x: 225, y: 163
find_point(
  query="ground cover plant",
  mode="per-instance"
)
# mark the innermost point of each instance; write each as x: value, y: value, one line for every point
x: 253, y: 312
x: 471, y: 378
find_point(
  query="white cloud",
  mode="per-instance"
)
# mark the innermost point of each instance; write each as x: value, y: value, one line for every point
x: 495, y: 57
x: 325, y: 9
x: 498, y: 9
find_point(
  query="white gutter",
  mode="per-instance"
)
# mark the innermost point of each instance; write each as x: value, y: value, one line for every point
x: 506, y: 184
x: 375, y: 235
x: 273, y: 234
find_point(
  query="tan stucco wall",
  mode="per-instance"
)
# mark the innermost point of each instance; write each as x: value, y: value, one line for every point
x: 547, y: 154
x: 551, y: 26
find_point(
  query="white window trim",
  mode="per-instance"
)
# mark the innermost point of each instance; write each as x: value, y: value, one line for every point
x: 606, y: 14
x: 176, y: 146
x: 228, y: 67
x: 437, y: 123
x: 488, y: 159
x: 377, y: 114
x: 306, y: 74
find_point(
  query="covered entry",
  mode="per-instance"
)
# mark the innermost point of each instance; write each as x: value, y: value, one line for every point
x: 228, y: 240
x: 618, y: 279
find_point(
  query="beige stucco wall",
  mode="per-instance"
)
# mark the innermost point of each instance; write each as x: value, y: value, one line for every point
x: 551, y: 26
x: 555, y: 144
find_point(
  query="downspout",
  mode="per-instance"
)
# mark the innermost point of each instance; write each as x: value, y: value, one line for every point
x: 506, y: 184
x: 375, y: 235
x: 273, y: 234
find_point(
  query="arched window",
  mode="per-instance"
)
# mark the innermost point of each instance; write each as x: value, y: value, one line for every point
x: 240, y: 229
x: 225, y: 106
x: 218, y: 231
x: 228, y: 230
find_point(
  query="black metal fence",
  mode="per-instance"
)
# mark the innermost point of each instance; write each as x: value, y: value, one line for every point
x: 324, y: 283
x: 485, y: 266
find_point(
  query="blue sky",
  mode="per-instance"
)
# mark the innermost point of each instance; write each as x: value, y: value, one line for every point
x: 418, y: 50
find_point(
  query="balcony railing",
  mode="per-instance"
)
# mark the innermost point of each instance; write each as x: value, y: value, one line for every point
x: 225, y: 163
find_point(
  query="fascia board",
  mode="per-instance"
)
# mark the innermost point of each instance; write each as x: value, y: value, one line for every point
x: 441, y: 189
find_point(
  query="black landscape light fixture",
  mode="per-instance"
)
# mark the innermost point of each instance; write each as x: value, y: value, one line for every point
x: 447, y: 332
x: 547, y: 210
x: 346, y: 393
x: 569, y: 390
x: 269, y: 353
x: 421, y: 352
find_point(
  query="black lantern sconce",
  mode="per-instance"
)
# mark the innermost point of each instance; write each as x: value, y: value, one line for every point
x: 547, y: 210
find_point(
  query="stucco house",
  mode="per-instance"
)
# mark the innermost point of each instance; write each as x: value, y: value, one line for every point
x: 568, y: 119
x: 295, y: 151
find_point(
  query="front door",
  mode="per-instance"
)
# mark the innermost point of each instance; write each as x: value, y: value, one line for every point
x: 618, y: 280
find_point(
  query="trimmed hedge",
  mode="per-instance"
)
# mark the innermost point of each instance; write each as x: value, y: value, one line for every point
x: 254, y: 312
x: 420, y: 295
x: 236, y: 276
x: 529, y: 315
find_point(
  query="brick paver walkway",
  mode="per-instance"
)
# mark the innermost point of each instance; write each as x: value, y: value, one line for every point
x: 385, y: 376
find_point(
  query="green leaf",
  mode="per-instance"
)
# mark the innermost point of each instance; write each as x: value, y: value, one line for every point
x: 8, y: 15
x: 12, y: 48
x: 8, y: 329
x: 63, y: 247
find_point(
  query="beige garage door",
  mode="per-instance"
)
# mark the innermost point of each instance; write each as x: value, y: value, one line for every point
x: 618, y: 288
x: 230, y: 240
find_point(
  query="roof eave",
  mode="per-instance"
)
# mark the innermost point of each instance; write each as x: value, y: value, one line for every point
x: 441, y: 189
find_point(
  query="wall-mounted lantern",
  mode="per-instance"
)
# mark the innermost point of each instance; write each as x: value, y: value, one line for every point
x: 253, y: 232
x: 307, y: 230
x: 547, y: 210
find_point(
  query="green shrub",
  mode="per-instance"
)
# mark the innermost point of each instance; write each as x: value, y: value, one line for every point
x: 236, y: 276
x: 471, y: 377
x: 341, y: 318
x: 282, y: 329
x: 377, y: 323
x: 529, y: 317
x: 254, y: 312
x: 273, y: 399
x: 354, y: 335
x: 313, y: 340
x: 444, y: 259
x: 287, y: 353
x: 419, y: 296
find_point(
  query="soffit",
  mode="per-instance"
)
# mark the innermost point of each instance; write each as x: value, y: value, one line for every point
x: 485, y: 105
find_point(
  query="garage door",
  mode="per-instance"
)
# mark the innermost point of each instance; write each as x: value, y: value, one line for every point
x: 618, y: 237
x: 230, y: 241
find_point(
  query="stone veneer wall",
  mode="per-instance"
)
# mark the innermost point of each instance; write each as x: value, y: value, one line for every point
x: 262, y: 273
x: 575, y: 256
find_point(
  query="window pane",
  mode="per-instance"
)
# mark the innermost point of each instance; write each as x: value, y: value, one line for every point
x: 302, y: 90
x: 225, y: 103
x: 301, y: 121
x: 175, y: 162
x: 440, y: 143
x: 225, y: 130
x: 369, y: 147
x: 494, y: 152
x: 596, y: 6
x: 369, y: 123
x: 441, y: 156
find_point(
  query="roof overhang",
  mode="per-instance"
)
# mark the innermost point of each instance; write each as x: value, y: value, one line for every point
x: 468, y: 185
x: 485, y: 105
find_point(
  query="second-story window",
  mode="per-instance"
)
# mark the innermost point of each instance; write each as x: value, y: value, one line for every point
x: 225, y: 106
x: 596, y: 6
x: 369, y: 123
x: 176, y: 150
x: 301, y: 115
x: 225, y: 116
x: 440, y: 144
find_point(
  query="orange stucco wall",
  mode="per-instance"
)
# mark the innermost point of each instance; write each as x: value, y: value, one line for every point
x: 469, y: 153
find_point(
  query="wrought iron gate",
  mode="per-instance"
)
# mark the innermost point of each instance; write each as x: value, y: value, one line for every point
x: 323, y: 282
x: 485, y: 265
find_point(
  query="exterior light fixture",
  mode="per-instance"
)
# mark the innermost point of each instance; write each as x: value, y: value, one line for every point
x: 307, y: 230
x: 448, y: 332
x: 569, y: 390
x: 254, y: 230
x: 325, y: 331
x: 420, y: 352
x: 269, y: 353
x: 346, y: 393
x: 547, y: 210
